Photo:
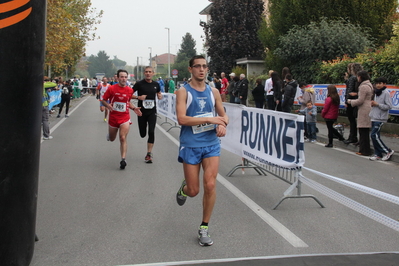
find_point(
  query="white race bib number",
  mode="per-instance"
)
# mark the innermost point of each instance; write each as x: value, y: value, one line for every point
x: 148, y: 104
x: 119, y: 107
x: 203, y: 127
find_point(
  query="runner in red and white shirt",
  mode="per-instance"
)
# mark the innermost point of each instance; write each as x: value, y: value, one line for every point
x: 101, y: 89
x: 225, y: 84
x: 119, y: 96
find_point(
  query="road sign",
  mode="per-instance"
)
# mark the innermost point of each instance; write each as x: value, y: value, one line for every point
x: 175, y: 72
x: 174, y: 76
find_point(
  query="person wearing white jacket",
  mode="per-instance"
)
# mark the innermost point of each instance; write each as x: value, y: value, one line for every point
x: 381, y: 105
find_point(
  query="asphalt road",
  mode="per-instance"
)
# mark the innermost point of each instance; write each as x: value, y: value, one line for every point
x: 92, y: 213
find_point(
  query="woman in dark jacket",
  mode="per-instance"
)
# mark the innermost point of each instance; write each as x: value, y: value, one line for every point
x: 259, y: 94
x: 277, y: 87
x: 65, y: 98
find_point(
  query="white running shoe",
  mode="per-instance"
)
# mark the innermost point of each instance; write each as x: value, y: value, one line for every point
x: 388, y: 155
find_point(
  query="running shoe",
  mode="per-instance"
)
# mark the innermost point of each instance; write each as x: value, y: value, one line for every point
x: 313, y: 141
x: 204, y: 237
x: 58, y: 116
x: 47, y: 138
x: 388, y: 155
x: 180, y: 196
x: 123, y: 164
x: 375, y: 158
x: 107, y: 137
x: 148, y: 157
x: 66, y: 116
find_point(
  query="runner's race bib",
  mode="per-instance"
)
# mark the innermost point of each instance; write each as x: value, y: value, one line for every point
x: 148, y: 104
x: 203, y: 127
x: 119, y: 107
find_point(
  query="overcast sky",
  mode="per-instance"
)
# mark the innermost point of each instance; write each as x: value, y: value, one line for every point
x: 129, y: 27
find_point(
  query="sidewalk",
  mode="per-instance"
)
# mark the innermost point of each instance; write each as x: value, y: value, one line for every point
x: 390, y: 140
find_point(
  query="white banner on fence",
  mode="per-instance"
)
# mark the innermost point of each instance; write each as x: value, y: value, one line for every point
x: 259, y: 135
x: 264, y: 136
x: 167, y: 106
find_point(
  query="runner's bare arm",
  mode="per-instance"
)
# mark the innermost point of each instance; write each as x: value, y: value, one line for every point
x: 183, y: 119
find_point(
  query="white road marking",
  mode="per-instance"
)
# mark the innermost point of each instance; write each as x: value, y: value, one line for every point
x: 63, y: 119
x: 265, y: 216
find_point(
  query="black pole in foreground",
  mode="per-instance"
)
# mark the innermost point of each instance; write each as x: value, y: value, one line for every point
x: 22, y: 43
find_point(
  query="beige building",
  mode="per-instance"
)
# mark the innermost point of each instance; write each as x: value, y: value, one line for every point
x: 160, y: 63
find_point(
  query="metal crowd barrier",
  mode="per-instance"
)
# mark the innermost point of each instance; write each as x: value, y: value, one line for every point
x: 292, y: 177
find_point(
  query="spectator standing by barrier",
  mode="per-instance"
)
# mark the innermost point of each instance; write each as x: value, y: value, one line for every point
x: 310, y: 112
x: 351, y: 94
x: 75, y: 84
x: 230, y: 89
x: 363, y: 103
x: 259, y: 94
x: 65, y: 98
x: 242, y: 89
x: 277, y: 93
x: 161, y: 84
x: 284, y: 73
x: 84, y: 85
x: 330, y: 114
x: 45, y: 111
x: 218, y: 84
x: 94, y: 85
x: 289, y: 93
x: 166, y: 85
x: 308, y: 94
x: 269, y: 92
x: 225, y: 85
x: 171, y: 86
x: 380, y: 107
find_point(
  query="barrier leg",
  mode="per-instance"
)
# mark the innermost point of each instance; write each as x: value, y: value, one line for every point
x: 247, y: 164
x: 287, y: 194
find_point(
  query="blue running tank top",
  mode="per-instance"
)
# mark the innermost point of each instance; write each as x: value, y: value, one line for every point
x: 199, y: 103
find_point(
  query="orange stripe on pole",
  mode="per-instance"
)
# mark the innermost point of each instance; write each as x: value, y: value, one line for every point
x: 15, y: 19
x: 11, y: 5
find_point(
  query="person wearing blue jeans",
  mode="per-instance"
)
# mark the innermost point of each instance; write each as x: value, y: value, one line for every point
x: 381, y: 105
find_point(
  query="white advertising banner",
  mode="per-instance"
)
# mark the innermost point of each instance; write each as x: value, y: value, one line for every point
x: 265, y: 136
x: 167, y: 106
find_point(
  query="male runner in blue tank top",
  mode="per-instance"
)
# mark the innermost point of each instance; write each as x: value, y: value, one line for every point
x: 200, y: 113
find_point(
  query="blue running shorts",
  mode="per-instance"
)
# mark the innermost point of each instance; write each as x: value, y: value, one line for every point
x: 195, y: 155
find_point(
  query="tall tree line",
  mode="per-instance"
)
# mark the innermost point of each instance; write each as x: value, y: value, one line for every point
x: 232, y: 33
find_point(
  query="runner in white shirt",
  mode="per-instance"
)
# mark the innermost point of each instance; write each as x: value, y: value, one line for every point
x: 101, y: 89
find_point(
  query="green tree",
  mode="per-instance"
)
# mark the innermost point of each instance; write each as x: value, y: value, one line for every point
x: 232, y: 33
x: 101, y: 64
x: 118, y: 63
x: 187, y: 47
x: 377, y: 15
x: 70, y: 24
x: 186, y: 52
x: 327, y: 40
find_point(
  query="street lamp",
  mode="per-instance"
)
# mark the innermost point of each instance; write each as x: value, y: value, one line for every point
x: 168, y: 52
x: 150, y: 56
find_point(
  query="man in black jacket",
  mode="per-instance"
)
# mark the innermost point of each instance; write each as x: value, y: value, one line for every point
x: 242, y: 89
x: 289, y: 93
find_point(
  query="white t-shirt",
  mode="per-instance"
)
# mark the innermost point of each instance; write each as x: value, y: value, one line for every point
x: 269, y: 86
